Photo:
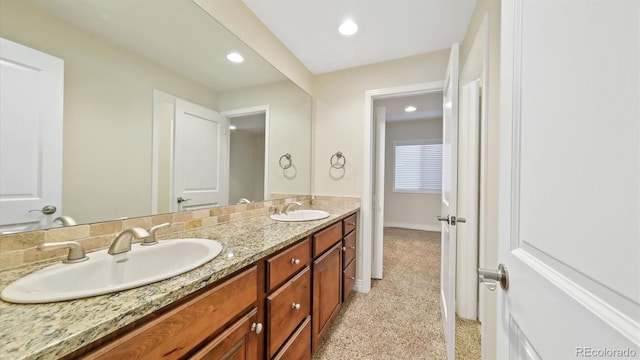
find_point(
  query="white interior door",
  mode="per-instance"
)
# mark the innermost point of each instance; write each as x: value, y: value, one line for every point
x: 200, y: 157
x: 31, y: 105
x: 449, y: 201
x: 468, y: 199
x: 378, y: 215
x: 569, y: 223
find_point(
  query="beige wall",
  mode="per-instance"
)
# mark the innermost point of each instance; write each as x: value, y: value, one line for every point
x: 339, y: 99
x: 107, y: 113
x: 409, y: 210
x: 289, y: 131
x: 491, y: 9
x: 237, y: 18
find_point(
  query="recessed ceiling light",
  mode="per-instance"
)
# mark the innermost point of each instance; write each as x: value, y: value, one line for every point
x: 410, y: 109
x: 232, y: 127
x: 348, y: 28
x: 235, y: 57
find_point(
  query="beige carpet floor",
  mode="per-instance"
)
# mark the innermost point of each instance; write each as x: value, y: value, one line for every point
x: 400, y: 318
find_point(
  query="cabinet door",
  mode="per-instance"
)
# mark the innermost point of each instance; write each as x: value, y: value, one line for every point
x: 238, y: 342
x: 327, y: 286
x: 287, y: 307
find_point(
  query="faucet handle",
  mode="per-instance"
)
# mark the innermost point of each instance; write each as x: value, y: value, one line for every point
x: 276, y: 209
x: 76, y: 251
x: 151, y: 239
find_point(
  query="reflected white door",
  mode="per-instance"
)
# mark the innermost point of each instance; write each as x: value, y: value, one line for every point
x: 31, y: 105
x: 569, y: 216
x: 378, y: 211
x: 200, y: 157
x: 449, y: 201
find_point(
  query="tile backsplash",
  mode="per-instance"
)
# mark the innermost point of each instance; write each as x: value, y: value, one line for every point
x: 21, y: 248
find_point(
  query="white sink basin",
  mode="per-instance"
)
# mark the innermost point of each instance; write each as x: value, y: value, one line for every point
x: 104, y: 273
x: 301, y: 215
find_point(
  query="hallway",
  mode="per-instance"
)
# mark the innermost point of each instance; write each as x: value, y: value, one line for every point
x: 400, y: 318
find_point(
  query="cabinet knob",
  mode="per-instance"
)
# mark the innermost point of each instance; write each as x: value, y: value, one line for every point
x: 352, y: 247
x: 344, y: 248
x: 352, y: 278
x: 257, y: 327
x: 295, y: 306
x: 352, y: 224
x: 295, y: 261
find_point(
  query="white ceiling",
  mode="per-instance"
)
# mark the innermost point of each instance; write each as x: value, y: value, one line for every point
x: 176, y: 34
x: 428, y: 106
x: 388, y: 29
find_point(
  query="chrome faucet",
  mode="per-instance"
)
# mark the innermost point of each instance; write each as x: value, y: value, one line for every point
x: 244, y: 201
x: 65, y: 220
x: 151, y: 240
x: 122, y: 243
x: 290, y: 207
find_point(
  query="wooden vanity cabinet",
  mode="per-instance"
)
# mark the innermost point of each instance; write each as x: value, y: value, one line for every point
x: 349, y: 226
x: 278, y: 308
x: 181, y: 330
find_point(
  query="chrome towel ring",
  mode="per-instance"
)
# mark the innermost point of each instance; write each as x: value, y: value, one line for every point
x: 287, y: 161
x: 338, y: 160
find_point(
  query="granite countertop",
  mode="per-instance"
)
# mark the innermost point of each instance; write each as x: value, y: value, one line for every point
x: 50, y: 331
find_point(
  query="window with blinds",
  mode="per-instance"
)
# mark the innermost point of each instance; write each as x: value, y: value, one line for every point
x: 418, y: 166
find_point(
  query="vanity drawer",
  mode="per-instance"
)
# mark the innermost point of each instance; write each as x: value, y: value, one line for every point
x: 349, y: 224
x: 299, y: 346
x: 326, y: 238
x: 174, y: 334
x: 349, y: 248
x: 287, y: 307
x: 348, y: 280
x: 284, y: 265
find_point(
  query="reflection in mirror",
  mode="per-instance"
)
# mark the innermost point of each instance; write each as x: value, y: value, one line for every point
x: 115, y: 55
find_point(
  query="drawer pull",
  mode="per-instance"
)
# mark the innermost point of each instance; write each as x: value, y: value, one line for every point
x: 352, y: 278
x: 257, y: 327
x: 295, y: 306
x: 295, y: 261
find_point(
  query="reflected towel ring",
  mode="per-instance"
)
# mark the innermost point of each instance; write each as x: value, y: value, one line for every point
x: 338, y: 160
x: 288, y: 161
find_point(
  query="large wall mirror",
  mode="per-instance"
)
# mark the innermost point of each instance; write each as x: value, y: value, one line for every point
x: 155, y: 118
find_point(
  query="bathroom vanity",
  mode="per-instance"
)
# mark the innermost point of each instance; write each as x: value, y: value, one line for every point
x: 271, y: 294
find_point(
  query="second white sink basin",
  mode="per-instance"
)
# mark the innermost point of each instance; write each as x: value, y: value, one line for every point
x: 301, y: 215
x: 104, y: 273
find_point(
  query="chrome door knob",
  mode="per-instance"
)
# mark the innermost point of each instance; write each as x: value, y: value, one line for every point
x: 490, y: 278
x: 442, y: 218
x: 47, y: 210
x: 180, y: 200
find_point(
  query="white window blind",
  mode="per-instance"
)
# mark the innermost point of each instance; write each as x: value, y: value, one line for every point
x: 418, y: 167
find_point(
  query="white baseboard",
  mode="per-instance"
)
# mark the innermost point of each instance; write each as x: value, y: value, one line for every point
x: 436, y: 228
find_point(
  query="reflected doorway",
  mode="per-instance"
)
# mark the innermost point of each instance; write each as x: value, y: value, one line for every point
x: 248, y: 170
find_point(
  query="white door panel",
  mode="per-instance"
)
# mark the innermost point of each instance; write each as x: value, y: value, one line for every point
x: 200, y: 160
x: 570, y: 178
x: 31, y: 105
x: 449, y: 201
